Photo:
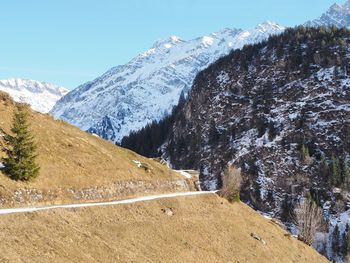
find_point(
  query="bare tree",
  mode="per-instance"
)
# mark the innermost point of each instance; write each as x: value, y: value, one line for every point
x: 309, y: 219
x: 231, y: 184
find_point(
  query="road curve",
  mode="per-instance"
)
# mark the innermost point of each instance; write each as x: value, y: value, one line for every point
x: 117, y: 202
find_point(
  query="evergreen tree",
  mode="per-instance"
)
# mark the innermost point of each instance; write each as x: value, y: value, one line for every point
x: 336, y: 173
x: 214, y: 134
x: 148, y: 140
x: 287, y: 209
x: 346, y: 171
x: 305, y: 154
x: 272, y: 131
x: 335, y: 239
x: 348, y: 243
x: 324, y: 168
x: 344, y: 244
x: 20, y: 149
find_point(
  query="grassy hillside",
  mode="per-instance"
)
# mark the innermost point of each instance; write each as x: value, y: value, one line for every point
x: 201, y: 229
x: 73, y: 160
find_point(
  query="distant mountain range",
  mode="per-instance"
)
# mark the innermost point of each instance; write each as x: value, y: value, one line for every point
x: 40, y: 95
x: 128, y: 97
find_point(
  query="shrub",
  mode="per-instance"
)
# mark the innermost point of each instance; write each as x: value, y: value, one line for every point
x: 231, y: 184
x: 305, y: 155
x: 309, y: 219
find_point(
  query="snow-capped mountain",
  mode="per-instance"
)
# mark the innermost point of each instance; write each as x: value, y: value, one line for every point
x: 337, y: 15
x: 128, y: 97
x: 40, y: 96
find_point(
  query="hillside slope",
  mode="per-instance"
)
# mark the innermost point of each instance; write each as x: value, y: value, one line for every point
x: 280, y: 111
x: 129, y: 96
x: 258, y: 107
x: 78, y: 166
x: 201, y: 229
x: 40, y: 96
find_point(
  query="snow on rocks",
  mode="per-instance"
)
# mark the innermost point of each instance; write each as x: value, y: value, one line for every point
x: 40, y: 96
x: 337, y: 15
x: 128, y: 97
x: 138, y: 163
x: 184, y: 173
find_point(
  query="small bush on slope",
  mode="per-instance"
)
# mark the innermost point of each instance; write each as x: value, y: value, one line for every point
x: 309, y: 219
x: 231, y: 184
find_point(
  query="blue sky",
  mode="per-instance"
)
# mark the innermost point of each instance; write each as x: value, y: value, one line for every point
x: 69, y: 42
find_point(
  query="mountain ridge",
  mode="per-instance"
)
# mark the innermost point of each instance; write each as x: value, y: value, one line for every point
x: 150, y: 77
x: 278, y: 110
x: 337, y: 15
x: 41, y: 96
x: 146, y: 88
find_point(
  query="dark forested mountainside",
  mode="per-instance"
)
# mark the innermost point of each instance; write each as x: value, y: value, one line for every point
x: 149, y: 139
x: 262, y: 106
x: 280, y: 111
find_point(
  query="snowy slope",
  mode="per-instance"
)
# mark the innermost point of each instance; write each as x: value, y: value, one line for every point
x: 41, y: 96
x: 128, y: 97
x: 259, y: 115
x: 337, y: 15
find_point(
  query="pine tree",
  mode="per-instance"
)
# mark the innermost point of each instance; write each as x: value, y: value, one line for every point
x: 335, y: 239
x: 20, y: 149
x: 348, y: 243
x: 324, y: 168
x: 305, y: 153
x: 214, y: 134
x: 346, y: 170
x: 344, y: 244
x: 336, y: 173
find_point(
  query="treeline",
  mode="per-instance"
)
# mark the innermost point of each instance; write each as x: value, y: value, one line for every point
x: 337, y: 171
x: 150, y: 138
x: 301, y: 48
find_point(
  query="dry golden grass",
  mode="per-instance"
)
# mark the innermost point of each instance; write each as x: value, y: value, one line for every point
x: 201, y: 229
x: 71, y: 158
x: 198, y: 229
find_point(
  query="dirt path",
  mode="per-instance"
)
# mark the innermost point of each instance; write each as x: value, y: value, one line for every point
x: 119, y: 202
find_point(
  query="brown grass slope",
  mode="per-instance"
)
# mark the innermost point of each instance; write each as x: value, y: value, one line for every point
x: 72, y: 159
x: 201, y: 229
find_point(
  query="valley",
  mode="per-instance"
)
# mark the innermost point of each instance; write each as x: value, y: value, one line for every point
x: 233, y: 146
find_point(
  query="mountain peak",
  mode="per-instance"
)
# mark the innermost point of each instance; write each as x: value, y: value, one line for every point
x: 167, y: 43
x: 268, y: 25
x: 347, y: 4
x: 336, y: 7
x: 342, y: 8
x: 150, y: 85
x: 175, y: 39
x: 337, y: 15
